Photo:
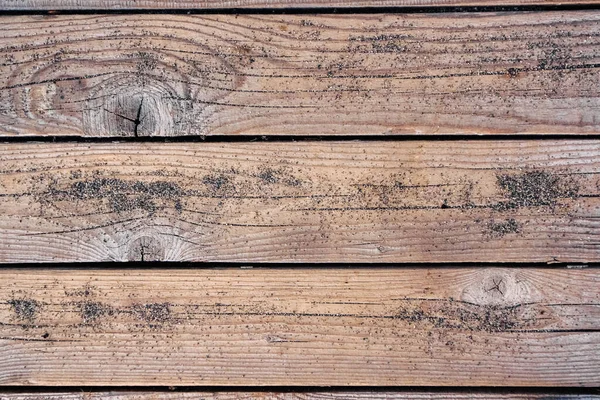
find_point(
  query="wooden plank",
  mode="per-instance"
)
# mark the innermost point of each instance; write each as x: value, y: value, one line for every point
x: 375, y: 74
x: 341, y: 326
x: 245, y: 4
x: 411, y: 201
x: 347, y: 395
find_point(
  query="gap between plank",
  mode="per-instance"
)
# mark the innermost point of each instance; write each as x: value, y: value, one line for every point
x: 162, y: 265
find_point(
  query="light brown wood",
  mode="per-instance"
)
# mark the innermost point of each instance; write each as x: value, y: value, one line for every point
x: 208, y: 4
x: 342, y: 326
x: 346, y: 395
x: 379, y: 74
x: 414, y: 201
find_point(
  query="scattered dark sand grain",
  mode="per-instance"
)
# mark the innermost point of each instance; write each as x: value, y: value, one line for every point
x: 535, y: 189
x: 268, y: 175
x: 216, y: 182
x: 452, y: 314
x: 91, y: 311
x: 25, y: 309
x: 271, y: 176
x: 153, y: 313
x: 500, y: 229
x: 122, y: 195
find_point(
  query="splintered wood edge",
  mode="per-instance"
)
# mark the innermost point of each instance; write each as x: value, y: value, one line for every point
x: 319, y: 327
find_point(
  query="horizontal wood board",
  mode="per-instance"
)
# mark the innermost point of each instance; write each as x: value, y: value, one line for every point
x: 412, y: 201
x: 357, y: 74
x: 443, y: 326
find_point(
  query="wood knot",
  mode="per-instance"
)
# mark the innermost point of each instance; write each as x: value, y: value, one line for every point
x: 129, y: 113
x: 146, y: 248
x: 126, y: 93
x: 152, y: 107
x: 493, y: 286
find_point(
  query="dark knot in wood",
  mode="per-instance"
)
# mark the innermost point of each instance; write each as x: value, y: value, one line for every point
x: 146, y: 248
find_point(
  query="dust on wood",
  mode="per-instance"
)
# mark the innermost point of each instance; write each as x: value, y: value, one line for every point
x: 24, y: 309
x: 121, y: 195
x: 92, y: 311
x: 410, y: 201
x: 499, y: 229
x: 451, y: 314
x: 424, y: 326
x: 154, y: 314
x: 176, y: 75
x: 536, y: 188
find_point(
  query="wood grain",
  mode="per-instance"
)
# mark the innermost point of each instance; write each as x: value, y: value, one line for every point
x: 370, y: 74
x: 412, y: 201
x: 276, y: 4
x: 338, y: 395
x: 343, y: 326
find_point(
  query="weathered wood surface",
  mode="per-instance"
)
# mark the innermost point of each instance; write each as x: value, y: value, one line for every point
x: 343, y: 326
x: 338, y: 395
x: 383, y: 74
x: 412, y: 201
x: 212, y: 4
